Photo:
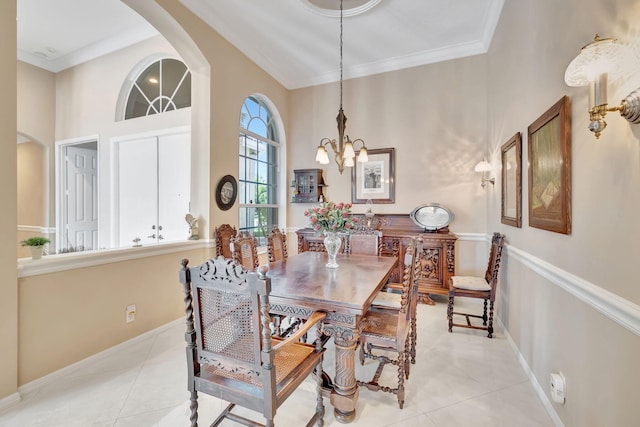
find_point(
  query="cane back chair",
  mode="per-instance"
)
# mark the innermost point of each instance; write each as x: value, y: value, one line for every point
x: 388, y: 331
x: 276, y: 245
x: 223, y: 235
x: 245, y: 250
x: 230, y: 351
x: 478, y: 287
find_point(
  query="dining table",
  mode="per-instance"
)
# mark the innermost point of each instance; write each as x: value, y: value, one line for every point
x: 302, y: 284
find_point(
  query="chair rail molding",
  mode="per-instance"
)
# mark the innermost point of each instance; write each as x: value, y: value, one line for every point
x: 620, y: 310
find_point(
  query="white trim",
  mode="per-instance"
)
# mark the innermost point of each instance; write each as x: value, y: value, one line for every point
x: 618, y: 309
x: 64, y: 372
x: 9, y: 400
x: 532, y: 378
x: 61, y: 262
x: 37, y: 229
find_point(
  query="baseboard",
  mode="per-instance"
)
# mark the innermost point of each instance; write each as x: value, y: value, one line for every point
x: 12, y: 399
x: 61, y: 373
x: 532, y: 378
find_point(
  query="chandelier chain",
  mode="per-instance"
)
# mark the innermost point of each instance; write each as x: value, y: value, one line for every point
x: 341, y: 54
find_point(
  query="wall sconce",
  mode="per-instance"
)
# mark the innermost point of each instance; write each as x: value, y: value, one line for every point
x: 485, y: 168
x: 592, y: 67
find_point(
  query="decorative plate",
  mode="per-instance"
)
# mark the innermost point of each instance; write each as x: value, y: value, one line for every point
x: 226, y: 192
x: 431, y: 216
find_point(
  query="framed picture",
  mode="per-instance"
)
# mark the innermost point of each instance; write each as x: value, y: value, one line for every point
x: 512, y: 181
x: 550, y: 169
x: 226, y: 192
x: 375, y: 179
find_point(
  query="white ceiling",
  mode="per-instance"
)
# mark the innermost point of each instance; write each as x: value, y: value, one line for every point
x: 289, y: 39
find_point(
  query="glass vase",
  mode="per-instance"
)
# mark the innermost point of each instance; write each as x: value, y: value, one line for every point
x: 332, y: 243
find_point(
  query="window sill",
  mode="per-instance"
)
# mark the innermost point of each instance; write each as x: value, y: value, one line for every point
x: 61, y: 262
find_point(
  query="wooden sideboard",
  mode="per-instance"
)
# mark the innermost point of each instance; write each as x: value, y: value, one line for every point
x: 438, y: 257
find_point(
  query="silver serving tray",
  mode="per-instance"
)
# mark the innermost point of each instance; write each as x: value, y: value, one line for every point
x: 431, y: 216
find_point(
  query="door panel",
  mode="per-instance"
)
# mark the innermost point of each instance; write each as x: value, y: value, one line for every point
x: 137, y: 205
x: 81, y: 198
x: 174, y: 189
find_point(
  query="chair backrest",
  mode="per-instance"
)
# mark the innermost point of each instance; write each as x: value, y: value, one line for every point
x: 276, y: 245
x: 364, y: 243
x: 223, y: 236
x: 491, y: 275
x: 410, y: 277
x: 223, y: 312
x: 245, y: 250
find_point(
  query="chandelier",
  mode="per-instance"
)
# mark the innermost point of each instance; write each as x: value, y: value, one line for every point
x: 342, y: 148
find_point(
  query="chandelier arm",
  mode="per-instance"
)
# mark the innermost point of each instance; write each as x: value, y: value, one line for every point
x: 357, y: 140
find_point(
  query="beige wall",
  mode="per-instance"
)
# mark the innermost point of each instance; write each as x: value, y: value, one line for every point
x: 31, y: 183
x: 554, y: 330
x: 434, y: 116
x: 73, y: 314
x: 36, y: 121
x: 8, y: 186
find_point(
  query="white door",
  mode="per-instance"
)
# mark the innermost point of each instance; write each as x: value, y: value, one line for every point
x: 154, y: 176
x: 174, y: 185
x: 81, y: 191
x: 137, y: 191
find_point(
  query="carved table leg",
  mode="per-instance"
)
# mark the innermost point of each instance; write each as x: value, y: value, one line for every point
x: 345, y: 390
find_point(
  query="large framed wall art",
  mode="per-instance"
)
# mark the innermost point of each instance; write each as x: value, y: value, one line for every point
x: 550, y: 169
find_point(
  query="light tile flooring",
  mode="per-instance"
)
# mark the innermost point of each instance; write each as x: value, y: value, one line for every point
x: 460, y: 379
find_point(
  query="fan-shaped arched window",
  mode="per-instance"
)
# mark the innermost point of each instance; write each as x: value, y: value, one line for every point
x: 163, y: 86
x: 259, y: 169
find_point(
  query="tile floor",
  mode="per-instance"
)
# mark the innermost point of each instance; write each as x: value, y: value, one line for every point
x: 460, y: 379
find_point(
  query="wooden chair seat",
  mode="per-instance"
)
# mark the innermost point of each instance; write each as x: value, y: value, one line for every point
x: 470, y: 283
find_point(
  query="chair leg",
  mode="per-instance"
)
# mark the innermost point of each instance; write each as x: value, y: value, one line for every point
x: 414, y: 338
x: 450, y: 313
x: 407, y: 359
x: 484, y: 314
x: 490, y: 326
x: 193, y: 405
x: 400, y: 392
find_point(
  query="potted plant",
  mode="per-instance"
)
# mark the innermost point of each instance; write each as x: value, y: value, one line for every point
x: 36, y: 245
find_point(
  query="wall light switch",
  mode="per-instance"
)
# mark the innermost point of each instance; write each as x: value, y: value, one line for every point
x: 131, y: 313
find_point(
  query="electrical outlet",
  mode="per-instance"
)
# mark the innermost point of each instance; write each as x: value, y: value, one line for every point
x: 131, y: 313
x: 558, y: 387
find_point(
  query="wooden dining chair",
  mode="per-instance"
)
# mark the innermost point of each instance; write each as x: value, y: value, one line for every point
x: 223, y: 235
x: 229, y: 355
x: 364, y: 243
x: 478, y: 287
x: 276, y: 245
x: 245, y: 250
x: 388, y: 331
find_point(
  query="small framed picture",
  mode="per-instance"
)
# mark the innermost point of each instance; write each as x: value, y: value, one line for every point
x: 226, y: 192
x: 375, y: 179
x: 512, y: 181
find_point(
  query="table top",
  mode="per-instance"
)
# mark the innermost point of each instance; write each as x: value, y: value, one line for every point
x: 305, y: 279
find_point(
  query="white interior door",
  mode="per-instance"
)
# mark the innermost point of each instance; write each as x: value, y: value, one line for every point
x: 81, y: 197
x: 153, y: 188
x: 174, y: 185
x: 137, y: 191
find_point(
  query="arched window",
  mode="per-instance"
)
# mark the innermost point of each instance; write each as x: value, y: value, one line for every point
x: 259, y: 169
x: 163, y: 86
